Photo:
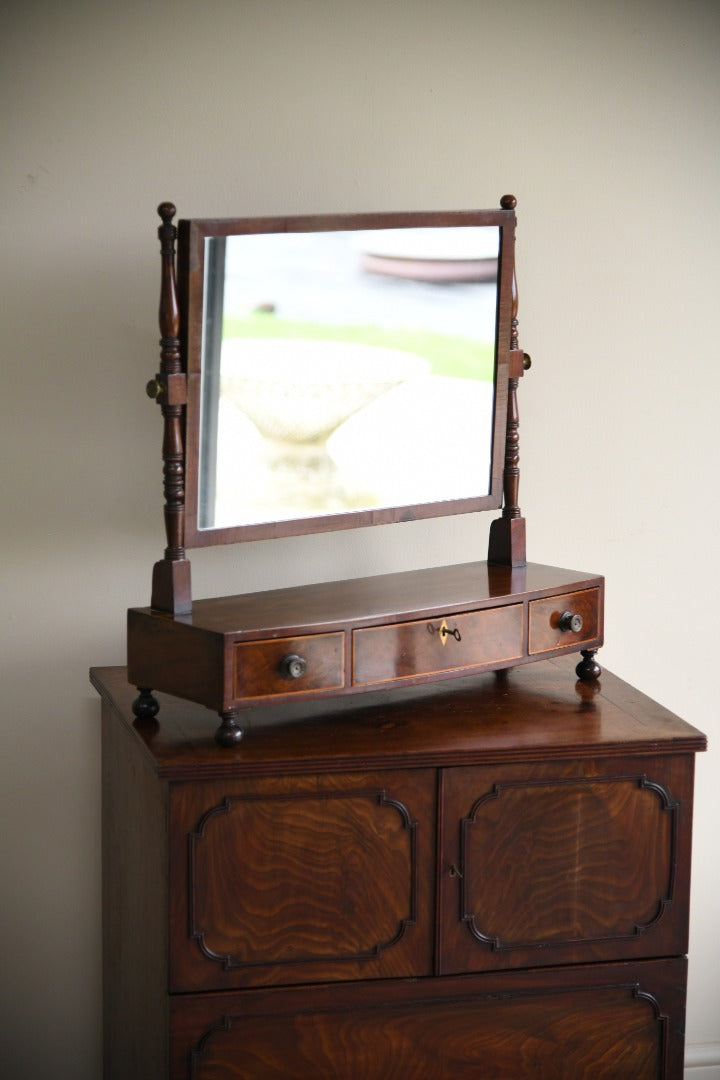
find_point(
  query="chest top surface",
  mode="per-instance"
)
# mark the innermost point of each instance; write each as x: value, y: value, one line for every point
x: 534, y: 712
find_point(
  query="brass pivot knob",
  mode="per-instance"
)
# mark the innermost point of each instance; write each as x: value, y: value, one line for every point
x: 571, y: 622
x: 155, y: 389
x: 293, y: 666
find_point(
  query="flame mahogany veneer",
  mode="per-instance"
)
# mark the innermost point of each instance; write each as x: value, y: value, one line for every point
x: 485, y: 877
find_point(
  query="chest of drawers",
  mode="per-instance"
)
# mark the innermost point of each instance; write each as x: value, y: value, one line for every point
x: 491, y: 879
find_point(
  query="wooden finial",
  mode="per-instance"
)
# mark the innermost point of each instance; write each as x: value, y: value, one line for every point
x: 169, y: 310
x: 167, y: 212
x: 508, y: 202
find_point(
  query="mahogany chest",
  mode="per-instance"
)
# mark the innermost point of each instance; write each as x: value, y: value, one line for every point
x: 488, y: 877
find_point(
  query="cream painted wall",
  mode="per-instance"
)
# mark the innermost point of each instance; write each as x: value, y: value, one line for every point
x: 601, y: 117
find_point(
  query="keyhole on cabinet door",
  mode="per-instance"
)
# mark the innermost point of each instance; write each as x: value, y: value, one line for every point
x: 454, y: 872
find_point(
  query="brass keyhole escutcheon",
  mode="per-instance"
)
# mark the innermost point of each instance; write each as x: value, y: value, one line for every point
x: 445, y: 632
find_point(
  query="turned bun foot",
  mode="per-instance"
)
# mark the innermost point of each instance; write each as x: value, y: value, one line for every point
x: 229, y: 733
x: 588, y: 668
x: 145, y: 706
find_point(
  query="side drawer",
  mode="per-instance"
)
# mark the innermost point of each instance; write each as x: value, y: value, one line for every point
x: 430, y: 646
x: 546, y: 632
x: 260, y: 667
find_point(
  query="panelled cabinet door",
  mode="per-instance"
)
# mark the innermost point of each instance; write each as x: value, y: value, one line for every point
x: 297, y: 879
x: 564, y: 862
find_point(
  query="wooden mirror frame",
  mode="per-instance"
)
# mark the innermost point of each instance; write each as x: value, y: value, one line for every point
x: 177, y: 388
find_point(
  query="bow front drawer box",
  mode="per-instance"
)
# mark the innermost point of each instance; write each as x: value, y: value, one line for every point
x: 236, y: 653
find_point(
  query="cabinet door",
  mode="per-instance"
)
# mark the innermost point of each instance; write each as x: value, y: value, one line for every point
x: 564, y: 862
x: 606, y: 1021
x: 300, y: 879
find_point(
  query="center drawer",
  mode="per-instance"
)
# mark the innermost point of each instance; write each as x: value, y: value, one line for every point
x: 430, y: 646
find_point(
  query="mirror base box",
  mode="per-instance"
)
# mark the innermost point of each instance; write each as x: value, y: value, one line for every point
x: 333, y: 639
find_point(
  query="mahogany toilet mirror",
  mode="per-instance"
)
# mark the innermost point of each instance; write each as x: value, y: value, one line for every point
x: 333, y: 372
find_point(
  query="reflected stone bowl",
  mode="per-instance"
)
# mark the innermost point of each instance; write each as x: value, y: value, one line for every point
x: 299, y: 390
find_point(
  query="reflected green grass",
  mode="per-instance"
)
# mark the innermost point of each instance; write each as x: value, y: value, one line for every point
x: 448, y: 355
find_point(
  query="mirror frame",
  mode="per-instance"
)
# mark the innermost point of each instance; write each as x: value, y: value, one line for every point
x: 191, y: 236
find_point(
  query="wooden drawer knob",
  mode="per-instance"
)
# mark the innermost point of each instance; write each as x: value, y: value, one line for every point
x: 293, y: 666
x: 570, y: 622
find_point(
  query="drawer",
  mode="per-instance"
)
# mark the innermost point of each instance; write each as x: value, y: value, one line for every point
x: 623, y: 1021
x: 432, y: 646
x: 291, y: 665
x: 546, y: 631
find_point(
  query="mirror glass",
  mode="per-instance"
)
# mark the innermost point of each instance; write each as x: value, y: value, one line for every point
x: 346, y: 375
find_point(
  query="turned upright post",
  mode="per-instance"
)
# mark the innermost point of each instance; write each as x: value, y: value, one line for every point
x: 507, y: 533
x: 171, y: 576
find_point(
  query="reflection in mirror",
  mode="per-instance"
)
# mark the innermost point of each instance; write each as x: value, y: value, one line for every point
x: 346, y: 371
